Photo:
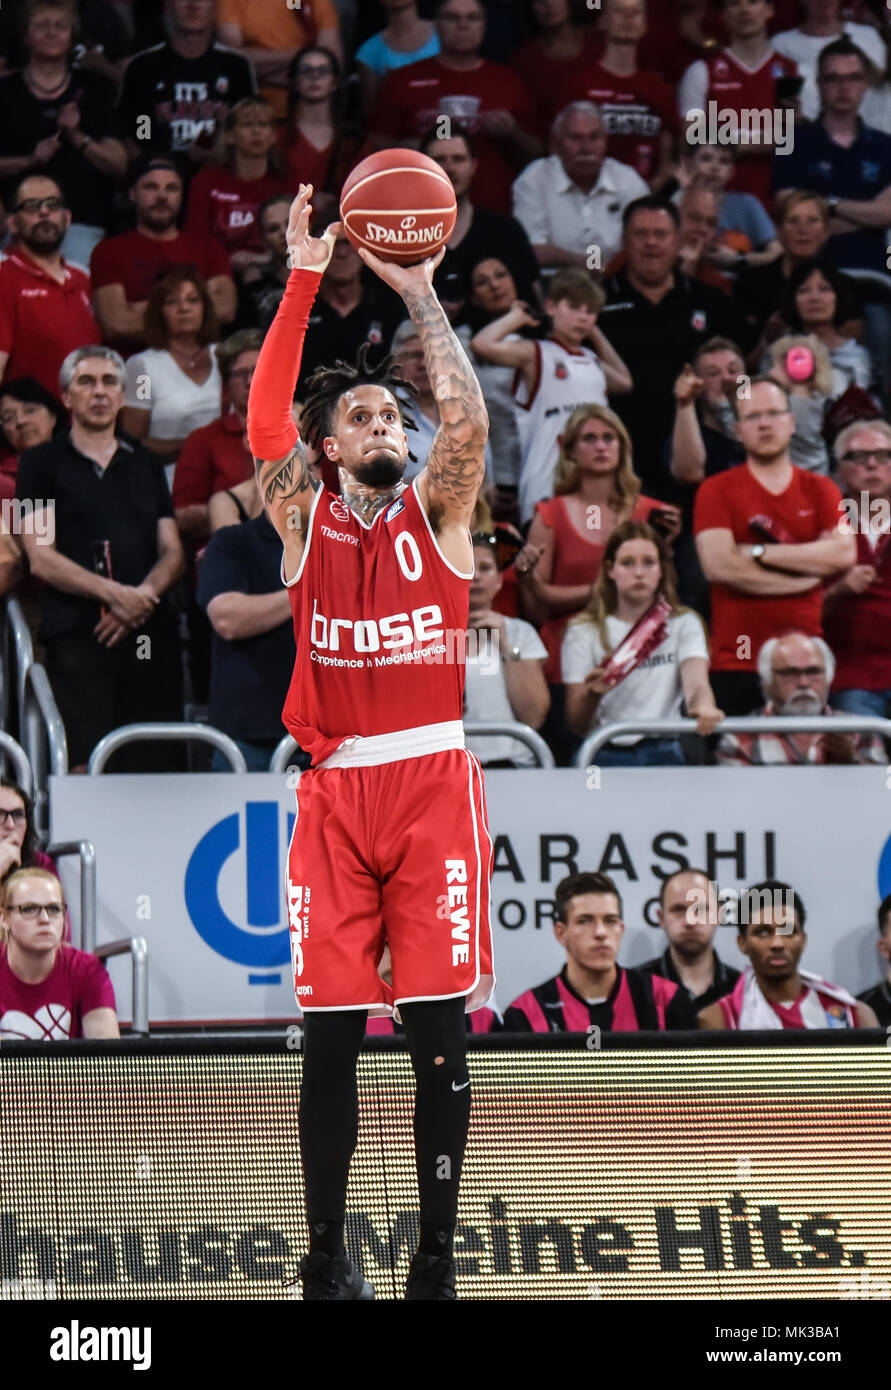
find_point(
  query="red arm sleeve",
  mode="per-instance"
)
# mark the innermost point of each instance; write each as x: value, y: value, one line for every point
x: 270, y: 426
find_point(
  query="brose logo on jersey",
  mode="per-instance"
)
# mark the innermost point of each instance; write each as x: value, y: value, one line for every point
x: 422, y: 624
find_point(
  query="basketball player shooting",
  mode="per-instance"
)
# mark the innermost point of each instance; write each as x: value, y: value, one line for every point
x: 390, y: 845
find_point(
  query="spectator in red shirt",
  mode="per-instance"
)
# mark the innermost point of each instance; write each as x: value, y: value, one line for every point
x: 224, y: 198
x: 767, y: 533
x: 44, y: 302
x: 48, y: 990
x: 857, y: 607
x: 555, y: 59
x: 125, y: 268
x: 638, y: 106
x: 216, y: 456
x: 317, y: 145
x: 489, y: 99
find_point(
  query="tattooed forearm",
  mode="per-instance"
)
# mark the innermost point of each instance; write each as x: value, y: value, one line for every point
x: 279, y: 480
x: 456, y: 464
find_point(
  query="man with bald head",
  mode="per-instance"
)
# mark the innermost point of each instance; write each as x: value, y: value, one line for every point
x: 796, y: 671
x: 571, y: 202
x: 689, y: 915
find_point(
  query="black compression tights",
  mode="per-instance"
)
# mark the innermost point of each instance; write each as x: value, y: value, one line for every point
x: 329, y: 1114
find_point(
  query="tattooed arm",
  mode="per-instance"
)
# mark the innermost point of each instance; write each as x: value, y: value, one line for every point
x: 287, y: 488
x: 449, y: 484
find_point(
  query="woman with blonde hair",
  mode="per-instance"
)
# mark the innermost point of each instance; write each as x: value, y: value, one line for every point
x: 595, y: 490
x: 665, y: 666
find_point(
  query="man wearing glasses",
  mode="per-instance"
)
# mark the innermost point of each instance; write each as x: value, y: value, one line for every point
x: 44, y: 302
x: 48, y: 990
x: 767, y: 533
x: 857, y: 607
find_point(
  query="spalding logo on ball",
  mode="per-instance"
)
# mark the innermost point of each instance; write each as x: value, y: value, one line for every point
x: 399, y: 205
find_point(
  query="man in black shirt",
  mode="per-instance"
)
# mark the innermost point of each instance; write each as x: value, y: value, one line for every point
x: 185, y: 86
x: 688, y: 914
x: 879, y: 997
x: 592, y: 992
x: 104, y: 542
x: 656, y: 317
x: 352, y: 308
x: 252, y: 656
x: 479, y: 234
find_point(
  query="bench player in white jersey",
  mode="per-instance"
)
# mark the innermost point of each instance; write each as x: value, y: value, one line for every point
x: 390, y: 844
x: 554, y: 375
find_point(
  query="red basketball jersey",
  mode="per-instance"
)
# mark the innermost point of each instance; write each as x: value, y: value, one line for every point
x: 735, y: 87
x: 379, y: 621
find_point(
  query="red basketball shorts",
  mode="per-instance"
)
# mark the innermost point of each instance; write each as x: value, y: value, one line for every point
x: 397, y: 853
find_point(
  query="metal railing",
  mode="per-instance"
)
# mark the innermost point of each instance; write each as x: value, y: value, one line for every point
x: 747, y: 724
x: 280, y: 760
x: 19, y: 651
x: 44, y: 737
x: 19, y: 759
x: 86, y: 853
x: 164, y: 733
x: 138, y: 949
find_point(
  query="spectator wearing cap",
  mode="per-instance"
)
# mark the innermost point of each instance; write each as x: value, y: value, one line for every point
x: 61, y: 121
x: 592, y: 991
x: 175, y: 385
x: 478, y: 234
x: 125, y: 268
x: 352, y: 308
x: 571, y: 202
x: 689, y: 915
x: 504, y: 676
x: 49, y: 990
x: 857, y: 607
x: 796, y: 672
x: 215, y: 457
x: 184, y: 85
x: 107, y: 566
x: 45, y: 308
x: 767, y: 534
x: 225, y: 197
x: 252, y: 651
x: 773, y: 991
x: 269, y: 35
x: 656, y: 317
x: 879, y: 997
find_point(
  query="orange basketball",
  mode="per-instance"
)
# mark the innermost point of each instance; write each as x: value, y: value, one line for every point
x: 398, y: 204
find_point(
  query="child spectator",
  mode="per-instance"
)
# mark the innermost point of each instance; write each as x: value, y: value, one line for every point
x: 555, y: 375
x: 636, y: 572
x: 747, y: 237
x: 405, y: 39
x: 48, y: 989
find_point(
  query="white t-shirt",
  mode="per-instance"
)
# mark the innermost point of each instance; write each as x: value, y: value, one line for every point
x: 177, y: 404
x: 653, y: 690
x: 805, y: 49
x: 565, y: 379
x: 485, y: 693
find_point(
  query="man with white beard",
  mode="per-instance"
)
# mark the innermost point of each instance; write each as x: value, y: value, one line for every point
x: 796, y: 672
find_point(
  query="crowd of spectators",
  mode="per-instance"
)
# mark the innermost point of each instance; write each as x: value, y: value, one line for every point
x: 680, y: 324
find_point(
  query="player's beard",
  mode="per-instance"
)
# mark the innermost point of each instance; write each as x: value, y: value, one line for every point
x: 380, y: 470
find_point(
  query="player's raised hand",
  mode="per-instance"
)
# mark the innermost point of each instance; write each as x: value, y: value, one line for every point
x: 404, y: 279
x: 307, y: 252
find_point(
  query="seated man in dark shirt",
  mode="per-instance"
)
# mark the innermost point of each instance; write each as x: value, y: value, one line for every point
x: 689, y: 916
x: 879, y: 997
x: 479, y: 233
x: 252, y: 653
x: 592, y: 992
x: 352, y: 308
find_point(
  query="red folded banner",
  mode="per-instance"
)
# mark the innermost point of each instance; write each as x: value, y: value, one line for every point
x: 774, y: 532
x: 648, y: 633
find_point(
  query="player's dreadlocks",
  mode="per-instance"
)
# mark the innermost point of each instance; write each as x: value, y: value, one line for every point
x: 327, y: 384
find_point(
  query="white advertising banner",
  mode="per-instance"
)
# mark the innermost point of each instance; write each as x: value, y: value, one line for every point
x: 196, y: 864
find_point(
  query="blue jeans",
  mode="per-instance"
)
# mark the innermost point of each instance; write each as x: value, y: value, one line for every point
x: 649, y: 752
x: 877, y: 702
